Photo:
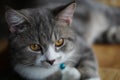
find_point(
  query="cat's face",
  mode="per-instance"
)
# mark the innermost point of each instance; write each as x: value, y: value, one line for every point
x: 40, y: 38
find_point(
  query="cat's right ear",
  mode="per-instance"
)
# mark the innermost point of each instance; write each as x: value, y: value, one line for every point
x: 66, y: 14
x: 13, y: 19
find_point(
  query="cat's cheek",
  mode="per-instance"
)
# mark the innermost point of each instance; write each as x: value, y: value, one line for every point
x: 58, y: 61
x: 39, y: 60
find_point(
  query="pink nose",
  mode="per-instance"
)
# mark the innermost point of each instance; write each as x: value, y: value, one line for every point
x: 50, y: 61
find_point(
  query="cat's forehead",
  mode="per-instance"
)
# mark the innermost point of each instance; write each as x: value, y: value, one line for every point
x: 39, y: 15
x: 45, y: 23
x: 42, y: 22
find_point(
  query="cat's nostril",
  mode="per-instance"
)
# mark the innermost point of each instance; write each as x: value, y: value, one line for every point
x: 50, y: 61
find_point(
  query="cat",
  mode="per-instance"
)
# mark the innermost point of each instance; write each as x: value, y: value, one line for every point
x: 42, y: 39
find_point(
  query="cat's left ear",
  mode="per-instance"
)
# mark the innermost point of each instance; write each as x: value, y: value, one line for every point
x: 14, y: 19
x: 67, y: 13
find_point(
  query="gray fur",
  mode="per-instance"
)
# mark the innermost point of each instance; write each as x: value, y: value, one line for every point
x: 40, y: 26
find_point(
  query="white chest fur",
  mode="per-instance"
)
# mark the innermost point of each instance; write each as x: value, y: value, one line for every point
x: 35, y: 72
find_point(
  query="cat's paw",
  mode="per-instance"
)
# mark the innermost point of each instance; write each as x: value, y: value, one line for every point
x: 70, y: 73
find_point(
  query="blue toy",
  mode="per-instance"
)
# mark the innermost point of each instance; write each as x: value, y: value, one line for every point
x: 62, y: 66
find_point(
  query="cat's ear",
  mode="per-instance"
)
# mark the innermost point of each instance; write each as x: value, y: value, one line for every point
x: 14, y: 19
x: 67, y: 13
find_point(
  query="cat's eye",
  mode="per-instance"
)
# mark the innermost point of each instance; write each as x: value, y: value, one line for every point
x: 35, y: 47
x: 59, y: 42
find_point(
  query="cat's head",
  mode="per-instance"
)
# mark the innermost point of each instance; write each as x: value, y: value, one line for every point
x: 41, y: 37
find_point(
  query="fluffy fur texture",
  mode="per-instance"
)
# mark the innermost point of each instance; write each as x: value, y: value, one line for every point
x: 78, y: 25
x: 44, y: 26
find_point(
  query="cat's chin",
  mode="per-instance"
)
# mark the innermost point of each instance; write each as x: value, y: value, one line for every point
x: 35, y: 72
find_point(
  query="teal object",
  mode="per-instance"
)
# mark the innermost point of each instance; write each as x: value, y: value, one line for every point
x: 62, y: 66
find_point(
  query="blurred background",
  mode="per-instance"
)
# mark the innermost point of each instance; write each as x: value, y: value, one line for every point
x: 108, y: 55
x: 111, y: 2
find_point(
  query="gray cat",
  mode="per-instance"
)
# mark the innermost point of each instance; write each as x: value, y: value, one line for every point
x: 53, y: 42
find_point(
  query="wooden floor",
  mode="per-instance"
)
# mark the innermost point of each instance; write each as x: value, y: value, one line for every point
x: 108, y: 55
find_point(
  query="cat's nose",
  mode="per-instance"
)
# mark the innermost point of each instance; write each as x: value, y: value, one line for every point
x: 51, y: 62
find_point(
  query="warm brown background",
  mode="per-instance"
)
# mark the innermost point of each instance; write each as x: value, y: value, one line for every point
x: 111, y: 2
x: 108, y: 55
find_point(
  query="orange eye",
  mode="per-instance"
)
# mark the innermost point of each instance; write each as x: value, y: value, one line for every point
x: 59, y: 42
x: 35, y: 47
